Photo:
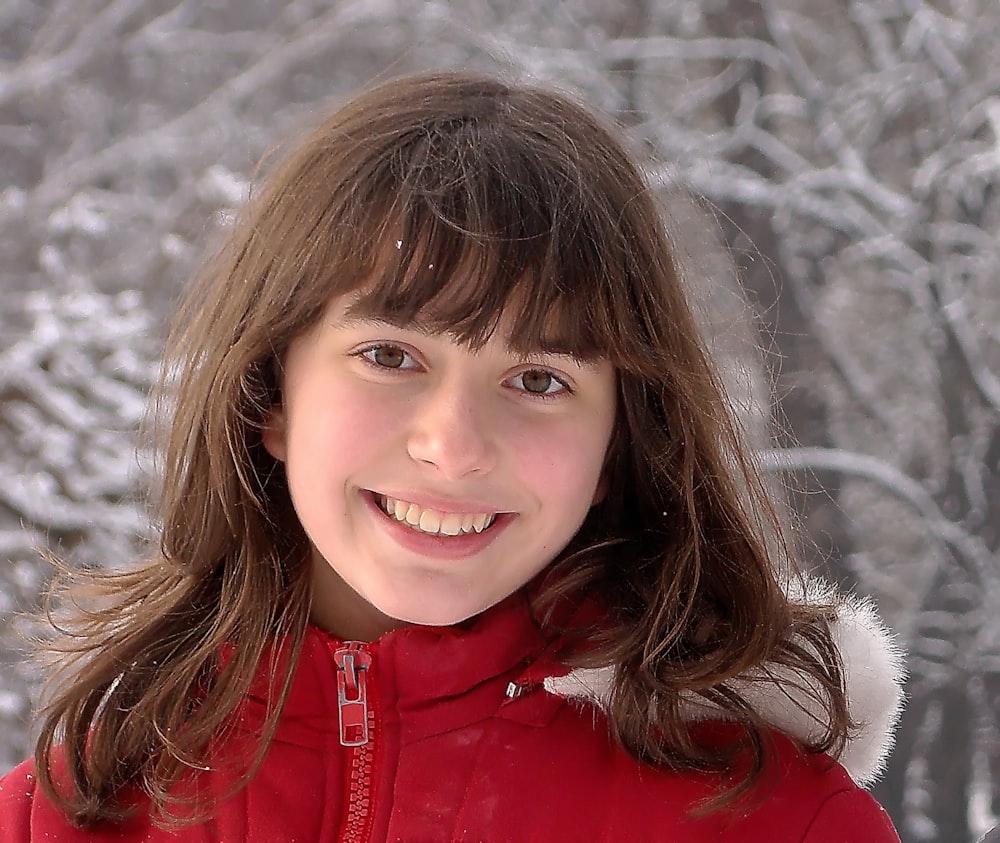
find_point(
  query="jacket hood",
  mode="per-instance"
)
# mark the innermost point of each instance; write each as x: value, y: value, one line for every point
x: 873, y: 672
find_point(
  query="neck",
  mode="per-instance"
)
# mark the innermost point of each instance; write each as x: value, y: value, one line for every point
x: 341, y: 611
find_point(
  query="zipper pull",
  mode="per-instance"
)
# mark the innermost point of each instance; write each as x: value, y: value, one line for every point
x: 353, y: 662
x: 517, y: 689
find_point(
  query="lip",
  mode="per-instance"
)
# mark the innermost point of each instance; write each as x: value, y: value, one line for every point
x: 441, y: 504
x: 437, y: 547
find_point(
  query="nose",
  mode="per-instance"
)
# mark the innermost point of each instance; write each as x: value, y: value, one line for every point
x: 450, y: 430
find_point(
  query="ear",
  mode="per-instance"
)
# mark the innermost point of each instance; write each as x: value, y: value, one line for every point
x: 272, y: 435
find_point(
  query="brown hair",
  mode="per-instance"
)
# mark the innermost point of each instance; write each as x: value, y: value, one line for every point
x: 464, y: 197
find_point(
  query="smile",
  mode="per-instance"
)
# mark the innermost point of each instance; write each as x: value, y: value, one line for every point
x: 433, y: 522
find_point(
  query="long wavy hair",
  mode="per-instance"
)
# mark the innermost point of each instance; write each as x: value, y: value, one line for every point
x: 461, y: 198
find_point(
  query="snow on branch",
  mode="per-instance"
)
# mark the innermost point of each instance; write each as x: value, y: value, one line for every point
x: 897, y: 483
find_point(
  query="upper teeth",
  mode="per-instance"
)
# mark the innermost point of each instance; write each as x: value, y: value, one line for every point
x: 431, y: 521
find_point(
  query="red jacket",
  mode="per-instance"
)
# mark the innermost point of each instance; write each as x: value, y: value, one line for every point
x: 448, y: 735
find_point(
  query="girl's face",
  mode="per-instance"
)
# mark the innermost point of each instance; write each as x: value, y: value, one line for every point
x: 432, y: 480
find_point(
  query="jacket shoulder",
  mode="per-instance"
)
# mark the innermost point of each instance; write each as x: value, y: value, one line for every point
x: 27, y: 815
x: 847, y: 814
x: 815, y: 799
x: 809, y: 796
x: 17, y: 795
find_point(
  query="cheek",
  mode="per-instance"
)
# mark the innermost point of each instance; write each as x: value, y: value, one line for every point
x: 337, y: 425
x: 562, y: 464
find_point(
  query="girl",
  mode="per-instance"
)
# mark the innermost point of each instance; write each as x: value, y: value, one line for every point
x: 459, y: 538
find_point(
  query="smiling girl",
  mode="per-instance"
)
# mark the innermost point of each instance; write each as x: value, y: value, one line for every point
x: 460, y: 538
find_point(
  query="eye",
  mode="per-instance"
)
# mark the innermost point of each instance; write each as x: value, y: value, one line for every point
x: 540, y: 383
x: 387, y: 356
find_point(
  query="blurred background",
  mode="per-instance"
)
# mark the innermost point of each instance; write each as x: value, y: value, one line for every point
x: 833, y: 171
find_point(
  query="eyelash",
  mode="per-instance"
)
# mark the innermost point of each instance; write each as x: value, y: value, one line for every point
x: 366, y: 352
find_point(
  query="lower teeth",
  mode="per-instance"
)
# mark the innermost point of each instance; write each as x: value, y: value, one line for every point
x: 436, y: 532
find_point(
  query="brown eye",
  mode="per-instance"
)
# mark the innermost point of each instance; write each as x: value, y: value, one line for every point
x: 538, y: 381
x: 388, y: 356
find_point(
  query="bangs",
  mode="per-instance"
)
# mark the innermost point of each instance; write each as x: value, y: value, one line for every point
x: 469, y: 230
x: 449, y: 282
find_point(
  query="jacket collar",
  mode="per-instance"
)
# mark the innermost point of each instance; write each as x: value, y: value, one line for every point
x: 432, y: 679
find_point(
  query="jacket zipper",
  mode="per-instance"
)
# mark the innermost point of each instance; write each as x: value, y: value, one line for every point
x: 356, y: 712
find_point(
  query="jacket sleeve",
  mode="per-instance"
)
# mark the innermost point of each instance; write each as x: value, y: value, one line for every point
x: 17, y: 794
x: 849, y: 816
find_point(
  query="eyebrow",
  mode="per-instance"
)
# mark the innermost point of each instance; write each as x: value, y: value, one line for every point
x: 355, y: 319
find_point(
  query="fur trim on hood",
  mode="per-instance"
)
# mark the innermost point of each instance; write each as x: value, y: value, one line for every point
x: 874, y: 676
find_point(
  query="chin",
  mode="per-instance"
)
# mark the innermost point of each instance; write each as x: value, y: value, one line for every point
x: 434, y: 616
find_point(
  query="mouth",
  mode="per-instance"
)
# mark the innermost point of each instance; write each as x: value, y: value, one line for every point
x: 433, y: 522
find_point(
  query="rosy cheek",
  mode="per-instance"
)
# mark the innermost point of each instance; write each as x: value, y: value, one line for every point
x: 560, y: 461
x: 356, y: 418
